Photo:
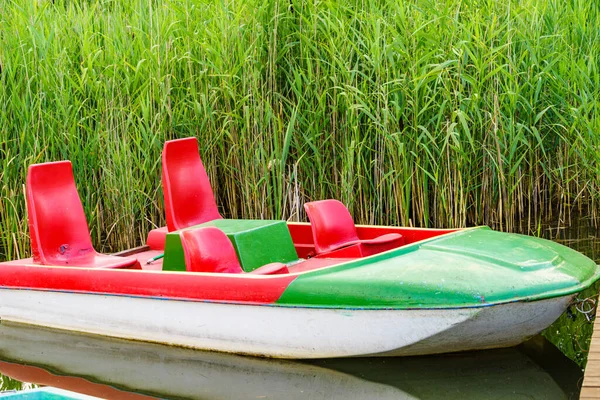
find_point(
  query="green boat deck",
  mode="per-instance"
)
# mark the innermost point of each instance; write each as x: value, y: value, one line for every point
x: 469, y: 268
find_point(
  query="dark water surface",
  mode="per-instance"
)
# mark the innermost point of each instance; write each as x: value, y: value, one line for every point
x: 118, y: 369
x: 572, y: 332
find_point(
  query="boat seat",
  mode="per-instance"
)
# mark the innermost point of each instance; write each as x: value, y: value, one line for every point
x: 156, y: 238
x: 333, y: 229
x: 210, y: 250
x: 189, y: 199
x: 57, y: 224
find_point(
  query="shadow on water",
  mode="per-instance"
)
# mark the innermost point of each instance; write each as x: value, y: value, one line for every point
x: 119, y: 369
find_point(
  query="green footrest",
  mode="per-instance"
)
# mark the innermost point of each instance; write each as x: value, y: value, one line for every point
x: 256, y: 242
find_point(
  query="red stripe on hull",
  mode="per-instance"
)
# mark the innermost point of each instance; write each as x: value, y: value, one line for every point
x: 229, y: 288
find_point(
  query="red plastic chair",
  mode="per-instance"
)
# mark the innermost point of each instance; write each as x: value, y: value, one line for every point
x: 333, y: 229
x: 189, y: 199
x: 210, y: 250
x: 57, y: 224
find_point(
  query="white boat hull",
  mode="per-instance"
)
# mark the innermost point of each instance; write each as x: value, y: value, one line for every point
x: 284, y: 332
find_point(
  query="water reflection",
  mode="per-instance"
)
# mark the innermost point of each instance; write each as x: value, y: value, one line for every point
x: 580, y: 234
x: 572, y: 332
x: 119, y: 369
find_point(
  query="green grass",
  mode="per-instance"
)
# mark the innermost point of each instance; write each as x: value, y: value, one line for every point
x: 7, y: 383
x: 425, y: 113
x: 422, y: 113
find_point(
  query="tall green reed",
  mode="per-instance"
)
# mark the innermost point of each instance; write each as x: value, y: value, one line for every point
x: 424, y: 113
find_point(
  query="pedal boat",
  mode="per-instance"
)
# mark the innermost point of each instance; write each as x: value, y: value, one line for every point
x: 279, y: 289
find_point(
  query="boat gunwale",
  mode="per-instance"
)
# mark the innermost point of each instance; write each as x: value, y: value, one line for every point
x: 285, y: 279
x: 405, y: 248
x: 527, y: 299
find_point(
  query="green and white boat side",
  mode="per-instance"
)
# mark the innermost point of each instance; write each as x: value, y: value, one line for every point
x: 473, y: 267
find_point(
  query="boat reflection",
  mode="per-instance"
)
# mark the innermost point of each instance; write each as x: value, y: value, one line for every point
x: 119, y: 369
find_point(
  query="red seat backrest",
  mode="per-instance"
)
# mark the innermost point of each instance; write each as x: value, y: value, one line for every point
x: 189, y: 199
x: 209, y: 250
x: 332, y: 224
x: 57, y: 224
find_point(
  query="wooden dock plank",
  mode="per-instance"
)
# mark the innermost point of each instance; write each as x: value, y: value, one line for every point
x: 591, y: 380
x: 590, y: 393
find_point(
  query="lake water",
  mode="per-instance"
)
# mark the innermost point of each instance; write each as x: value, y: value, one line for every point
x: 118, y: 369
x: 572, y: 332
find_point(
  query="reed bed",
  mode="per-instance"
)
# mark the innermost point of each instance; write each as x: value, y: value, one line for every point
x: 426, y: 113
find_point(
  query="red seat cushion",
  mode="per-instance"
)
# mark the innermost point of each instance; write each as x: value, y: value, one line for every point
x: 110, y: 262
x: 189, y: 199
x: 208, y: 249
x: 388, y: 237
x: 333, y: 229
x: 57, y: 224
x: 271, y: 269
x: 332, y: 225
x: 156, y: 238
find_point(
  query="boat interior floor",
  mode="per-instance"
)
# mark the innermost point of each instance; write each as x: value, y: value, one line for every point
x: 302, y: 265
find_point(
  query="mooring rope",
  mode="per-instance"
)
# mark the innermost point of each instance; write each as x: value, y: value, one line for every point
x: 586, y: 307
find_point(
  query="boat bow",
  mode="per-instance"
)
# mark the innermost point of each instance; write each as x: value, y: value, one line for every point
x: 469, y: 268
